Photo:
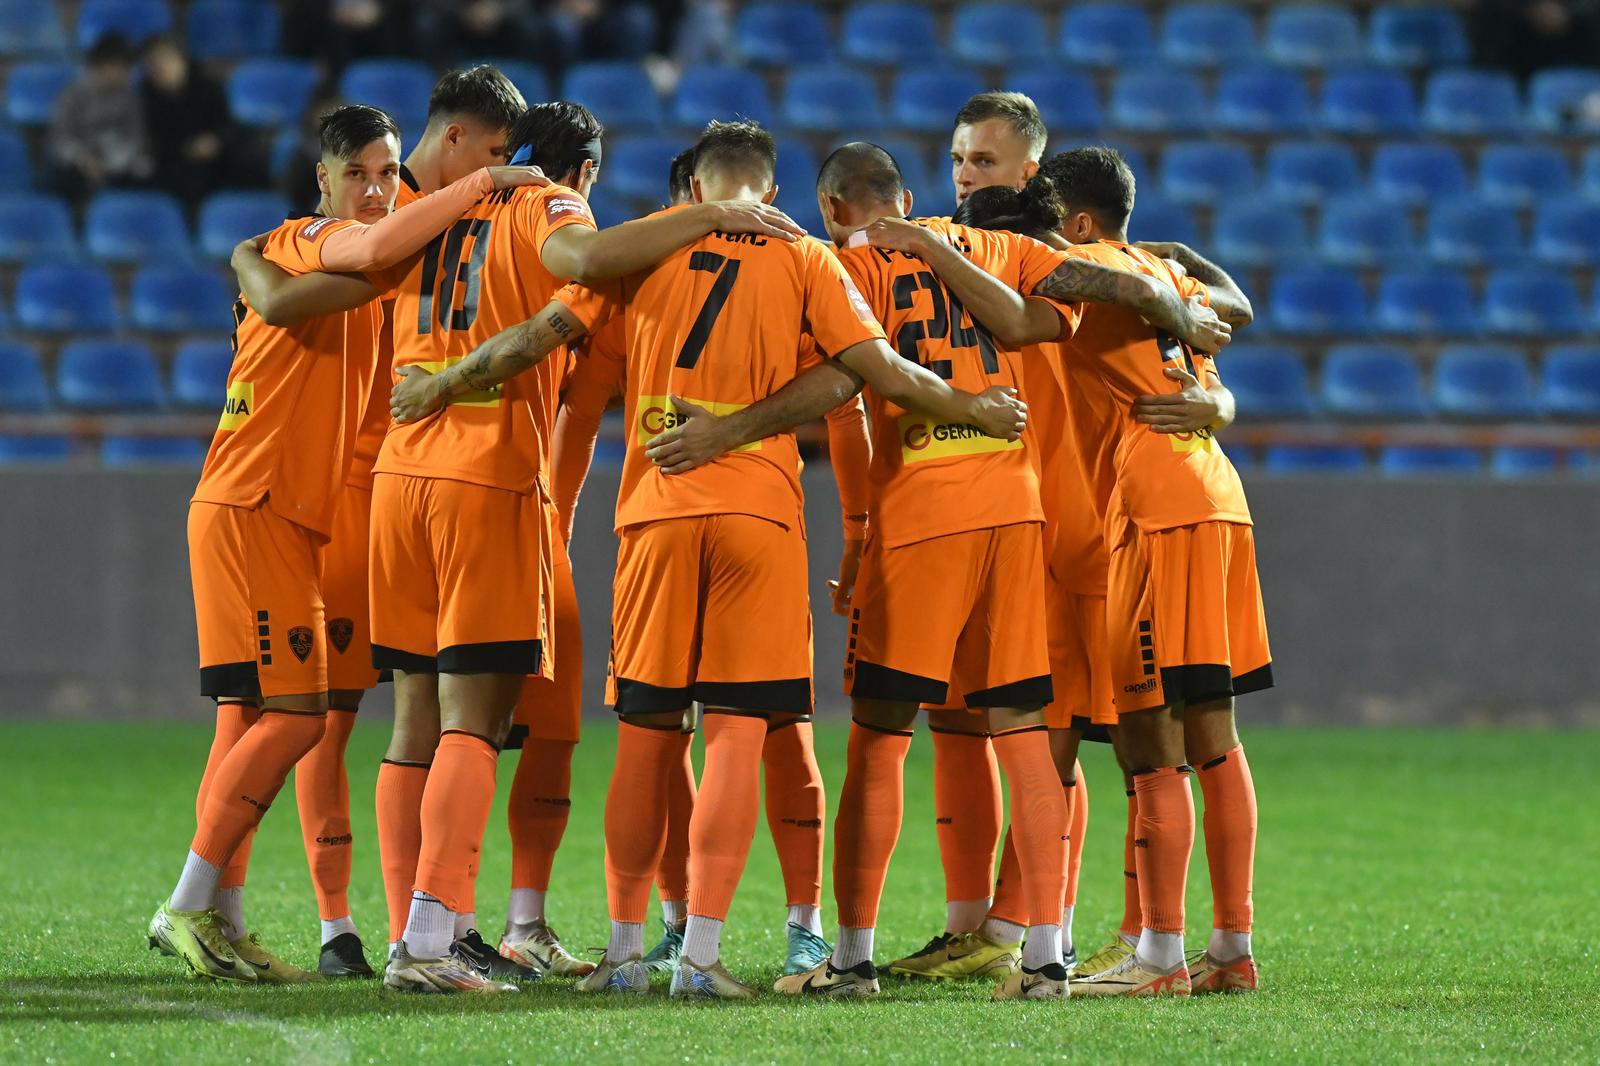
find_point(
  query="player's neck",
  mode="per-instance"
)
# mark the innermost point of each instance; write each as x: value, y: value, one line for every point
x: 325, y: 208
x: 423, y: 163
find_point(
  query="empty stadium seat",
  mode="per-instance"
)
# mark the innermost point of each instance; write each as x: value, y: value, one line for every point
x: 22, y: 385
x: 529, y: 78
x: 1263, y: 100
x: 1417, y: 172
x: 16, y: 168
x: 1158, y: 101
x: 1312, y: 35
x: 1423, y: 303
x: 1368, y: 103
x: 107, y: 375
x: 1569, y: 382
x: 226, y: 218
x: 1410, y: 35
x: 399, y: 87
x: 200, y: 374
x: 609, y: 210
x: 32, y: 88
x: 706, y: 93
x: 128, y: 227
x: 65, y: 298
x: 619, y: 90
x: 637, y: 167
x: 1203, y: 172
x: 923, y: 101
x: 1428, y: 460
x: 1310, y: 171
x: 1520, y: 174
x: 1155, y: 219
x: 1207, y: 35
x: 1314, y: 459
x: 1523, y: 461
x: 1312, y: 301
x: 1106, y: 34
x: 1482, y: 381
x: 1241, y: 456
x: 124, y: 452
x: 913, y: 157
x: 1563, y: 99
x: 998, y: 34
x: 35, y: 227
x: 1566, y: 232
x: 1259, y: 231
x: 1589, y: 172
x: 1363, y: 231
x: 16, y: 449
x: 1267, y: 381
x: 782, y: 33
x: 889, y: 34
x: 1532, y: 302
x: 797, y: 180
x: 829, y: 99
x: 1371, y: 381
x: 1472, y: 103
x: 1067, y: 99
x: 30, y: 28
x: 180, y: 299
x: 271, y: 92
x: 1471, y: 232
x: 137, y: 20
x: 231, y: 29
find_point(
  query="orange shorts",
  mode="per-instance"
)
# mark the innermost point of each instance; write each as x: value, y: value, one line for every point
x: 1080, y: 666
x: 711, y: 608
x: 1184, y: 619
x: 344, y: 591
x: 257, y: 603
x: 549, y: 709
x: 965, y: 611
x: 457, y: 574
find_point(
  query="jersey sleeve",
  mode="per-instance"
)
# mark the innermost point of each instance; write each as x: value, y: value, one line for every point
x: 838, y: 282
x: 593, y: 305
x: 1036, y: 261
x: 297, y: 246
x: 554, y: 208
x: 850, y: 453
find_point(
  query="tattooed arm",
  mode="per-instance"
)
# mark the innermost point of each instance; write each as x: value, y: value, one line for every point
x: 1079, y: 280
x: 1230, y: 302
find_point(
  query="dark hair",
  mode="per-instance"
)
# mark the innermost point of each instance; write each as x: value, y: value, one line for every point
x: 742, y: 147
x: 1034, y: 211
x: 346, y: 130
x: 861, y: 173
x: 1017, y: 109
x: 1095, y: 179
x: 480, y: 92
x: 559, y: 134
x: 110, y: 47
x: 680, y: 177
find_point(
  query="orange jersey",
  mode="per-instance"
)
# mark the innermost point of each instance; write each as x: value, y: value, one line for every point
x: 719, y: 323
x: 929, y: 478
x: 1075, y: 543
x: 477, y: 278
x: 295, y: 393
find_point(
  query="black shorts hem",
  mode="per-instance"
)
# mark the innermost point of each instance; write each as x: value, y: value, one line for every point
x: 1033, y: 691
x: 792, y: 695
x: 787, y: 722
x: 515, y: 738
x: 387, y: 660
x: 494, y: 657
x: 874, y: 682
x: 1256, y: 680
x: 637, y: 697
x: 1088, y: 730
x: 1196, y: 683
x: 231, y: 681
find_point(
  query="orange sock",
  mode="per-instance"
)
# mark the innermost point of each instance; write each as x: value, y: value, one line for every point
x: 541, y: 800
x: 1132, y: 916
x: 724, y: 821
x: 1230, y: 822
x: 636, y: 815
x: 1161, y: 845
x: 795, y: 808
x: 455, y: 812
x: 232, y: 721
x: 1078, y: 815
x: 871, y: 807
x: 672, y: 873
x: 1039, y: 821
x: 1010, y: 902
x: 247, y: 780
x: 400, y: 786
x: 967, y: 808
x: 322, y: 794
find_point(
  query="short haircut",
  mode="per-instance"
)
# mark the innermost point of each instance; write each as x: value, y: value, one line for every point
x: 861, y: 173
x: 1095, y: 179
x: 1017, y: 109
x: 346, y: 130
x: 480, y: 92
x: 559, y: 135
x: 680, y: 177
x: 1033, y: 211
x: 110, y: 47
x: 741, y: 147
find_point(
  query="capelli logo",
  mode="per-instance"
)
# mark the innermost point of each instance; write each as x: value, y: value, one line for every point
x: 1141, y: 687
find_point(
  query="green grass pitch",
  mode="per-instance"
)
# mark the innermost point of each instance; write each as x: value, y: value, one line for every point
x: 1419, y: 895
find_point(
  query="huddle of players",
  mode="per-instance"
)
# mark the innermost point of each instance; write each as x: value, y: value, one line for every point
x: 472, y: 495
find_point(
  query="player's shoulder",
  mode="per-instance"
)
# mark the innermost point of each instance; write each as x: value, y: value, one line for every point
x: 310, y: 228
x: 555, y: 202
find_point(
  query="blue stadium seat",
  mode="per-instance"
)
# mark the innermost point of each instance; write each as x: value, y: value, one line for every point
x: 1268, y: 381
x: 889, y: 34
x: 180, y: 299
x: 137, y: 20
x: 399, y: 87
x: 1308, y: 172
x: 1521, y: 174
x: 129, y: 227
x: 782, y: 33
x: 1471, y: 103
x: 1569, y: 382
x: 1259, y: 232
x: 22, y: 385
x: 1417, y: 172
x: 797, y: 182
x: 1557, y: 98
x: 1067, y: 99
x: 1362, y: 231
x: 1482, y: 381
x: 1428, y: 460
x: 1371, y: 381
x: 108, y: 376
x: 619, y: 90
x: 125, y: 452
x: 1312, y: 35
x: 30, y: 28
x: 226, y: 218
x: 1317, y: 301
x: 707, y: 93
x: 1207, y: 35
x: 829, y: 99
x: 1425, y: 303
x: 17, y: 450
x: 1512, y: 461
x: 16, y: 166
x: 1294, y: 459
x: 1242, y: 457
x: 1530, y: 303
x: 1158, y: 101
x: 609, y: 210
x: 1263, y: 100
x: 998, y: 34
x: 1472, y: 232
x: 636, y: 167
x: 32, y: 88
x: 35, y: 227
x: 1368, y: 103
x: 1204, y: 172
x: 1155, y: 219
x: 924, y: 100
x: 1590, y: 171
x: 1566, y: 232
x: 529, y: 78
x: 1408, y: 35
x: 231, y: 29
x: 271, y: 92
x: 1106, y: 34
x: 200, y: 374
x: 65, y: 298
x: 912, y: 155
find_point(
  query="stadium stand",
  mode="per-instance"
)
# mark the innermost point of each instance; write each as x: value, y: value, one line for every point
x: 65, y: 298
x: 1425, y: 303
x: 131, y: 227
x: 1312, y: 35
x: 889, y: 35
x: 35, y: 227
x: 1371, y: 381
x: 998, y: 34
x: 109, y: 375
x: 22, y: 384
x: 621, y: 91
x: 1207, y: 35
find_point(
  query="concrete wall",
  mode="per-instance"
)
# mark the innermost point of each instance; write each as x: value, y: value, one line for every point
x: 1388, y: 602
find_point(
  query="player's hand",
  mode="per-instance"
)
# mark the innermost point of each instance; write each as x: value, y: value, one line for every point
x: 897, y: 235
x: 746, y: 216
x: 694, y: 441
x: 512, y: 177
x: 1201, y: 329
x: 415, y: 396
x: 849, y: 566
x: 1191, y: 408
x: 999, y: 413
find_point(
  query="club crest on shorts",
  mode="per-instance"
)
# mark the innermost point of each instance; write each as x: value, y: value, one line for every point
x: 340, y: 630
x: 300, y: 642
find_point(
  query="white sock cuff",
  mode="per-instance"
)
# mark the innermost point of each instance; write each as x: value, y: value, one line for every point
x: 854, y: 948
x: 627, y: 941
x: 702, y: 940
x: 806, y: 917
x: 1003, y: 932
x: 1042, y: 947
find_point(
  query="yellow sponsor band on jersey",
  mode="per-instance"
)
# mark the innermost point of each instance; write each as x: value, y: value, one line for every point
x: 657, y: 415
x: 480, y: 398
x: 922, y: 438
x: 237, y: 407
x: 1201, y: 440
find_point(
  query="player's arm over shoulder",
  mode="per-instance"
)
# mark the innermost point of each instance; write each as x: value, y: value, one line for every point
x: 279, y: 279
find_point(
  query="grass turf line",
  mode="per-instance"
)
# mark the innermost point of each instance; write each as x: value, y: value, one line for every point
x: 1420, y: 895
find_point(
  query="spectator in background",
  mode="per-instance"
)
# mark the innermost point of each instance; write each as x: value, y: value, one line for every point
x: 338, y: 31
x: 97, y: 135
x: 456, y: 32
x: 1524, y: 36
x: 190, y: 128
x: 572, y: 31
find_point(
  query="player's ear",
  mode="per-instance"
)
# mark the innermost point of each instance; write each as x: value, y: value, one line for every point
x: 322, y: 179
x: 906, y: 200
x: 694, y: 191
x: 771, y: 194
x: 1029, y: 169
